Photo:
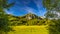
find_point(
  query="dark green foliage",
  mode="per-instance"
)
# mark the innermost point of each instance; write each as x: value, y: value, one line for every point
x: 52, y: 6
x: 4, y: 25
x: 54, y: 27
x: 5, y: 4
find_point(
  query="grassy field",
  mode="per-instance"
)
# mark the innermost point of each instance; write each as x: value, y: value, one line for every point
x: 29, y: 30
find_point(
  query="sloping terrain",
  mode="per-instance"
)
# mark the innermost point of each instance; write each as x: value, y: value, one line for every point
x: 28, y: 19
x: 28, y: 24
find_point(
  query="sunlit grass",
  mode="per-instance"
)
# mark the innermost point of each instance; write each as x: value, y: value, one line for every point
x: 29, y: 30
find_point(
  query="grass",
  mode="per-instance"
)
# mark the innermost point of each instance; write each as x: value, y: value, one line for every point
x: 29, y: 30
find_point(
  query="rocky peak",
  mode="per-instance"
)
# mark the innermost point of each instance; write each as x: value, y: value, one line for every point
x: 31, y: 16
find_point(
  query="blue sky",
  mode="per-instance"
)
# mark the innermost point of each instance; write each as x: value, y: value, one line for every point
x: 23, y: 7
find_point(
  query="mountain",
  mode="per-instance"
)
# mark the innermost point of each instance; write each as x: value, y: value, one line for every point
x: 28, y: 19
x: 31, y: 16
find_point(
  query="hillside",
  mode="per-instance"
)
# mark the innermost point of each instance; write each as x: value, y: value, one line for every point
x: 31, y: 21
x: 28, y: 19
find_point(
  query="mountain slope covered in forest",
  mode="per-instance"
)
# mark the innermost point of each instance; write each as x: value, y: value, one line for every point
x: 28, y: 19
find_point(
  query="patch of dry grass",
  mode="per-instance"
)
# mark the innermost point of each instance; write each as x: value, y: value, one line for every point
x: 29, y: 30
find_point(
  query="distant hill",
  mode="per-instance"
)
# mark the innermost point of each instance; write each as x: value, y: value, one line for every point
x: 28, y: 19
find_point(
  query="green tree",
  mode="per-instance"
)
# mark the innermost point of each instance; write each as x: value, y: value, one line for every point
x: 3, y: 17
x: 53, y: 6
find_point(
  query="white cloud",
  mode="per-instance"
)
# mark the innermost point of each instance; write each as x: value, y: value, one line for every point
x: 58, y: 13
x: 9, y: 12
